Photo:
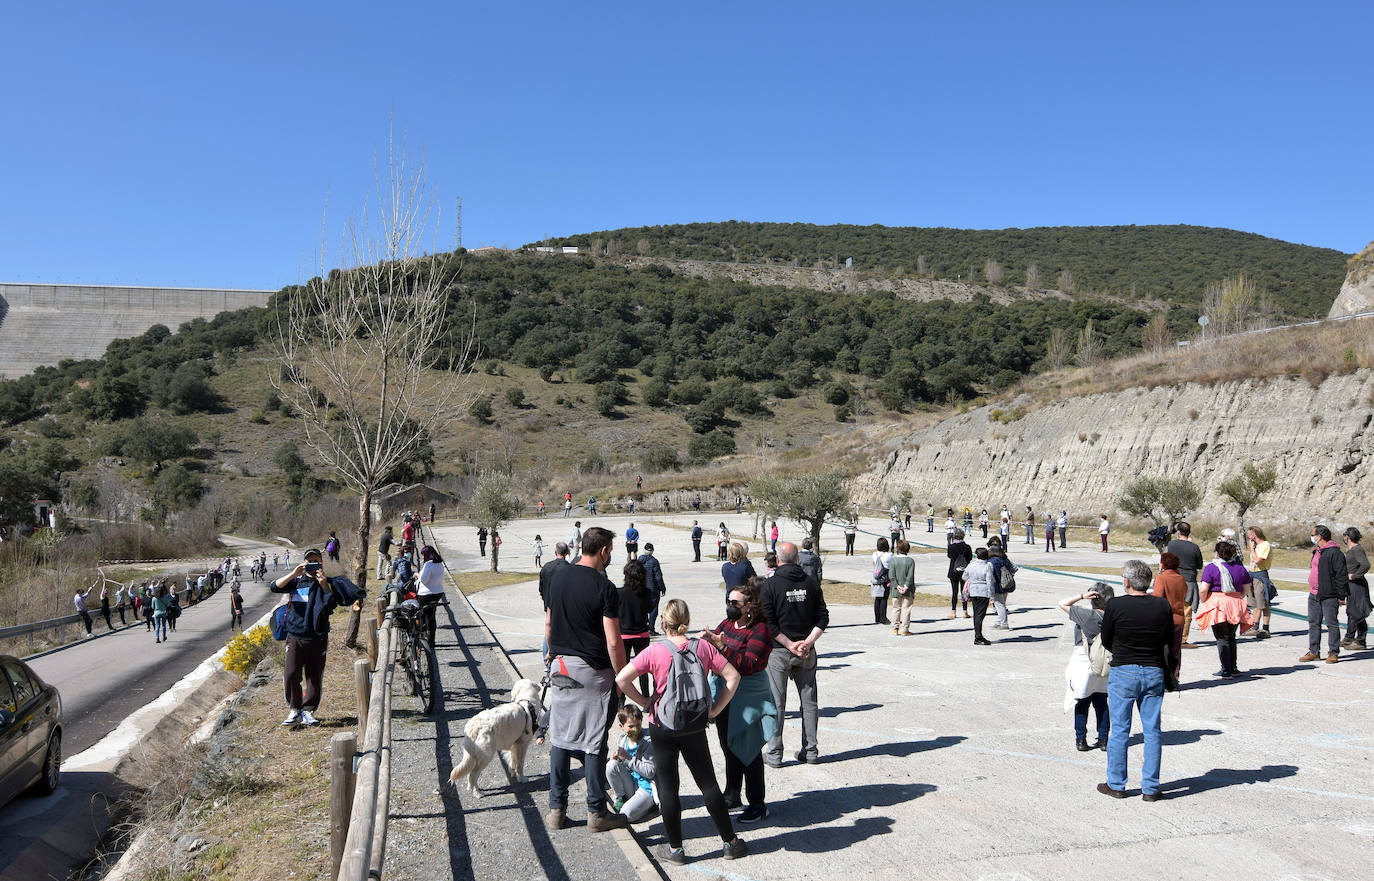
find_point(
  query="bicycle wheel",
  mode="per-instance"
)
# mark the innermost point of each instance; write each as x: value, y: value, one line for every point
x: 427, y: 674
x: 409, y: 665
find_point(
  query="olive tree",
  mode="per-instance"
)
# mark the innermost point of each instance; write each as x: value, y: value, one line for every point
x: 810, y: 499
x: 494, y: 504
x: 366, y: 353
x: 1165, y: 500
x: 1248, y: 487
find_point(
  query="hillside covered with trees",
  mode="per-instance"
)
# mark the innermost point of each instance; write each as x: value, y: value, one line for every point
x: 1174, y: 264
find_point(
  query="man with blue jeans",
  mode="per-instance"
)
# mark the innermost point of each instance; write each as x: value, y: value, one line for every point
x: 1135, y: 629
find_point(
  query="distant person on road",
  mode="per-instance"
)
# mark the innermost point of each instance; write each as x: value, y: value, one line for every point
x: 148, y: 597
x: 1030, y: 525
x: 311, y: 598
x: 331, y: 547
x: 174, y: 607
x: 79, y: 601
x: 1136, y: 629
x: 880, y: 581
x: 1063, y: 523
x: 1189, y: 565
x: 429, y: 586
x: 538, y: 551
x: 582, y: 629
x: 794, y: 607
x: 690, y: 745
x: 1357, y: 607
x: 930, y: 517
x: 696, y: 542
x: 1104, y: 529
x: 161, y: 609
x: 999, y: 561
x: 1223, y: 609
x: 567, y: 507
x: 653, y: 578
x: 482, y: 540
x: 235, y: 608
x: 105, y: 603
x: 575, y: 541
x: 432, y: 512
x: 1086, y: 688
x: 773, y: 538
x: 632, y: 542
x: 1261, y: 585
x: 851, y: 531
x: 722, y: 542
x: 1004, y: 527
x: 983, y: 523
x: 121, y: 597
x: 1328, y: 581
x: 1049, y: 533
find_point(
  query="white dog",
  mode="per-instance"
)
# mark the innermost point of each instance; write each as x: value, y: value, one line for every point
x: 508, y: 727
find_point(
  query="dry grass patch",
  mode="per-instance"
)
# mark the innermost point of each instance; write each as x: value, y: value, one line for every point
x: 850, y: 593
x: 252, y: 803
x: 476, y: 582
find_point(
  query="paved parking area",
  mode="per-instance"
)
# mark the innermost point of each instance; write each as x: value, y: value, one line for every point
x: 945, y: 760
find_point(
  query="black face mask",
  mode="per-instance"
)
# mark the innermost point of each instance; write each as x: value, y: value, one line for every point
x: 734, y: 613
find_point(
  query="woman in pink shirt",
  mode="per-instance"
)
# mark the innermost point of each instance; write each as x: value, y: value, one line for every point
x: 657, y: 660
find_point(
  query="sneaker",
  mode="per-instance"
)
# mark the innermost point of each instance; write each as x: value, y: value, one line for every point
x: 675, y: 855
x: 772, y: 761
x: 1359, y: 645
x: 557, y: 818
x: 735, y: 849
x: 1332, y: 658
x: 1310, y: 656
x: 604, y: 822
x: 1223, y: 674
x: 753, y: 814
x: 1347, y: 643
x: 996, y: 626
x: 811, y: 759
x: 307, y: 719
x: 906, y: 633
x: 1263, y: 634
x: 292, y: 718
x: 895, y: 631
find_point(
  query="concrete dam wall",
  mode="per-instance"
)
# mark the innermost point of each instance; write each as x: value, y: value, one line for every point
x: 41, y: 324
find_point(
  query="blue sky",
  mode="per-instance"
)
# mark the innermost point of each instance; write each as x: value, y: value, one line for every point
x: 198, y: 143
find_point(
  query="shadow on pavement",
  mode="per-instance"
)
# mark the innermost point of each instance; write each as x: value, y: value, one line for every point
x: 1175, y: 738
x: 1220, y: 778
x: 898, y: 749
x: 832, y: 712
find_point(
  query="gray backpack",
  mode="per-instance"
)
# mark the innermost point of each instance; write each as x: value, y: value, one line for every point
x: 685, y: 704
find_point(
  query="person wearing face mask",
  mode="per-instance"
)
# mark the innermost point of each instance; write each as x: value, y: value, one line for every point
x: 752, y: 717
x: 1328, y: 582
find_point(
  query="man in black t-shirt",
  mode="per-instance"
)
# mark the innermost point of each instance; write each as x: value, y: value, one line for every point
x: 1136, y: 628
x: 582, y: 631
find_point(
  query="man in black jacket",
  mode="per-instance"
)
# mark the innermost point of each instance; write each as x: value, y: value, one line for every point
x: 794, y: 608
x: 696, y: 542
x: 810, y: 561
x: 1189, y: 565
x: 1328, y: 583
x: 653, y: 579
x: 1136, y: 628
x: 311, y: 599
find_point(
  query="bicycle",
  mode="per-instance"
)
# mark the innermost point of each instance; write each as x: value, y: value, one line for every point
x: 417, y: 655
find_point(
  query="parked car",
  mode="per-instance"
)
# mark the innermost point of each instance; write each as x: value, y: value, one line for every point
x: 30, y: 731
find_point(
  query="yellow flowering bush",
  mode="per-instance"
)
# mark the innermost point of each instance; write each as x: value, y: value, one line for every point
x: 246, y: 649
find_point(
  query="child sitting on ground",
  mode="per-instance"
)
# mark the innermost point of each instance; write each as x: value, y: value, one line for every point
x: 631, y: 768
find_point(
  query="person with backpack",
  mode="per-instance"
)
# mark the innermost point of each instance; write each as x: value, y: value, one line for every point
x: 1002, y: 582
x: 960, y: 555
x: 1087, y: 671
x: 679, y: 711
x: 160, y: 610
x: 880, y: 582
x: 331, y: 547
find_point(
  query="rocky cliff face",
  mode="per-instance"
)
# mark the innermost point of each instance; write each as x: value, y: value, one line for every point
x: 1077, y: 454
x: 1357, y: 294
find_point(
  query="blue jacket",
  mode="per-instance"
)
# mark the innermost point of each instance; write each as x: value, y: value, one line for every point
x: 310, y: 619
x: 653, y: 575
x: 632, y: 534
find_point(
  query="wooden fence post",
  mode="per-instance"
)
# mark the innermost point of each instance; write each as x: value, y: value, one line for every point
x: 342, y: 747
x: 362, y: 684
x: 370, y: 637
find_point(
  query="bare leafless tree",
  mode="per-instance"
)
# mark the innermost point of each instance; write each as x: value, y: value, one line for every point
x: 1232, y: 305
x: 992, y: 271
x: 1089, y: 345
x: 1033, y: 276
x: 1066, y: 281
x: 368, y: 353
x: 1058, y: 348
x: 1156, y: 337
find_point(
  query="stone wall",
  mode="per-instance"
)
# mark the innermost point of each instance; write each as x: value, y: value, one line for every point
x: 1077, y: 454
